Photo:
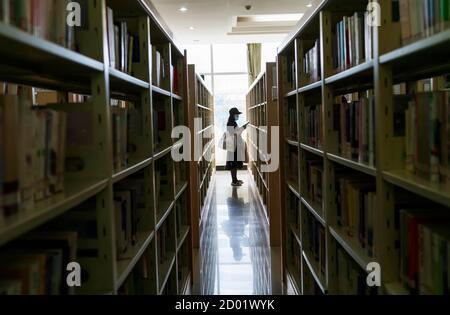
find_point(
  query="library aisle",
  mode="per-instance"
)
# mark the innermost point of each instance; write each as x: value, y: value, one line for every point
x: 237, y: 242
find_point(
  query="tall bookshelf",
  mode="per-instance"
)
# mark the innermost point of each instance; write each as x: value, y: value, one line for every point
x: 157, y: 260
x: 318, y: 244
x: 262, y: 112
x: 202, y: 169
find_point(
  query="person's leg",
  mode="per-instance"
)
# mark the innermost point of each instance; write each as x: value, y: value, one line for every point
x: 234, y: 175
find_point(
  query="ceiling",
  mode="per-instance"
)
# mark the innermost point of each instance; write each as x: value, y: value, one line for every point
x: 229, y: 21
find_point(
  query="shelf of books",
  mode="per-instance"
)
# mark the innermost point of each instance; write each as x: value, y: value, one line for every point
x: 202, y: 165
x: 366, y: 148
x: 262, y: 113
x: 89, y: 177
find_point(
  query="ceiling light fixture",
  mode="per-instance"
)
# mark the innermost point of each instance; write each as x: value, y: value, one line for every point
x: 309, y: 5
x: 183, y: 9
x: 192, y: 28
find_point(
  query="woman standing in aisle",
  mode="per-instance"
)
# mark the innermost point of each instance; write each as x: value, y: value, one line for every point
x: 235, y: 146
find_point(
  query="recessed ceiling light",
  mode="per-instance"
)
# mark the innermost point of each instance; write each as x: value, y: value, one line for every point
x: 192, y: 28
x: 309, y: 5
x: 183, y: 9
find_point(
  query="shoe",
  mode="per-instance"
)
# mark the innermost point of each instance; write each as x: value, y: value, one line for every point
x: 237, y: 184
x: 240, y: 181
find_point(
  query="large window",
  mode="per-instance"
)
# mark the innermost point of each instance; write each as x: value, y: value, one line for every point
x: 224, y: 68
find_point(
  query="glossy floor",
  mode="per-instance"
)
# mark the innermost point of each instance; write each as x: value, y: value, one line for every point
x: 236, y: 256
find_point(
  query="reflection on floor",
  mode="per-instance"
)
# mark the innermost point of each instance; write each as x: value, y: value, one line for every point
x: 235, y: 245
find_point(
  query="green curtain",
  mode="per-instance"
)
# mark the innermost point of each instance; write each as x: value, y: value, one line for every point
x: 253, y: 61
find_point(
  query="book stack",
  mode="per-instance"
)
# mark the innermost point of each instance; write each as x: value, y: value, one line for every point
x: 311, y: 63
x: 123, y: 47
x: 352, y: 280
x: 354, y: 121
x: 354, y: 41
x: 315, y: 243
x: 45, y: 19
x: 427, y: 135
x: 314, y: 126
x: 161, y: 69
x: 356, y: 208
x: 420, y: 19
x: 128, y: 200
x: 314, y: 179
x: 424, y: 250
x: 292, y: 121
x: 36, y: 264
x: 32, y: 163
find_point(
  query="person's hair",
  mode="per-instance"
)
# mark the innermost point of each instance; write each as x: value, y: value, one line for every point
x: 231, y: 119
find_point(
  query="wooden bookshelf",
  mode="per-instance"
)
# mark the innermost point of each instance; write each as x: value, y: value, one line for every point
x: 162, y: 243
x: 202, y: 166
x: 262, y: 113
x: 391, y: 63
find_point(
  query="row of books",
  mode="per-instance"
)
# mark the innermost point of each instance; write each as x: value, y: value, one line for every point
x: 123, y: 47
x: 202, y: 96
x: 356, y: 208
x: 32, y: 163
x: 315, y: 243
x: 424, y: 250
x: 311, y: 63
x: 293, y: 166
x: 36, y: 264
x: 205, y: 116
x: 314, y: 179
x: 129, y: 201
x: 314, y: 126
x: 351, y: 279
x: 258, y: 93
x: 422, y: 18
x: 427, y: 134
x: 354, y: 41
x: 259, y: 116
x: 206, y: 186
x: 161, y: 68
x: 126, y: 128
x: 292, y: 121
x: 354, y: 122
x: 42, y: 18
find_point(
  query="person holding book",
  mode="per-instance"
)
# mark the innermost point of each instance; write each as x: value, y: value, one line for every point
x: 235, y: 146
